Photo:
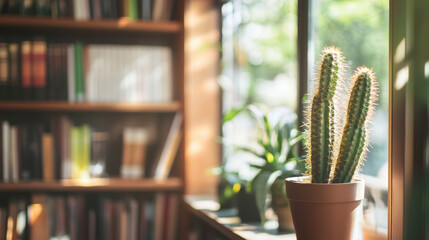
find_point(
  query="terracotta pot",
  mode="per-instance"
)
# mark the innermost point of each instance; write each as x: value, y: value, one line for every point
x: 324, y: 211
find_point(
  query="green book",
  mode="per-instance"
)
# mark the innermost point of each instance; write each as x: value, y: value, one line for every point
x: 132, y: 9
x: 85, y: 134
x: 79, y: 75
x: 75, y: 155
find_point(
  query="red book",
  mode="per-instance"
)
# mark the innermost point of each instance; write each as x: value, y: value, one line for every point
x: 26, y: 67
x: 38, y: 59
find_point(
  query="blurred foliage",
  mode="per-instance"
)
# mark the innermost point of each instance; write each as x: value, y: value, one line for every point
x: 277, y: 137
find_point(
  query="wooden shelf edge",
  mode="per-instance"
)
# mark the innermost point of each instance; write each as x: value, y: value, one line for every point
x: 120, y: 25
x: 101, y: 184
x: 109, y: 107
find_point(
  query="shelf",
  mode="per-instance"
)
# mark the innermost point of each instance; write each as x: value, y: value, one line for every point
x: 92, y: 107
x: 117, y: 26
x: 112, y: 185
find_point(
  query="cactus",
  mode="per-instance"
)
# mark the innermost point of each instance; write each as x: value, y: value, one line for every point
x: 322, y: 114
x: 330, y: 160
x: 354, y: 140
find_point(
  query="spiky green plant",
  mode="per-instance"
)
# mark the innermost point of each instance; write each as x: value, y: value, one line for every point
x: 330, y: 160
x: 322, y: 115
x: 354, y: 140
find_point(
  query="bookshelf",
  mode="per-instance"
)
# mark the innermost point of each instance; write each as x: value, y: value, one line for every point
x: 148, y: 194
x: 92, y: 107
x: 95, y: 185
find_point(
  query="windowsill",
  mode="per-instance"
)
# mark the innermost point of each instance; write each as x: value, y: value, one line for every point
x: 226, y: 222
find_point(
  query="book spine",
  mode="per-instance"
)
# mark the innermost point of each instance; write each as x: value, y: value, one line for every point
x: 38, y: 59
x: 86, y: 150
x: 13, y: 151
x: 79, y: 75
x: 14, y: 70
x: 5, y: 148
x: 64, y: 75
x: 74, y: 139
x: 26, y: 66
x: 47, y: 156
x: 43, y: 8
x: 71, y: 73
x: 146, y: 11
x: 4, y: 70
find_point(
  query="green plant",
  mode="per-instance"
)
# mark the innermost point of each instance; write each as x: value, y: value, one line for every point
x: 331, y: 160
x: 275, y: 147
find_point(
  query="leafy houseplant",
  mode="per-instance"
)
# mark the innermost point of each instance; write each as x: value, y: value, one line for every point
x: 335, y: 152
x: 275, y: 147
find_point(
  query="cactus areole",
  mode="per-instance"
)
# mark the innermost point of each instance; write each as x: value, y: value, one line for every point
x: 336, y: 151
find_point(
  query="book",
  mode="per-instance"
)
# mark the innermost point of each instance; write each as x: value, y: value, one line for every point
x: 38, y: 73
x: 4, y: 70
x: 79, y: 72
x: 168, y: 154
x: 43, y: 8
x: 3, y: 223
x: 146, y: 9
x: 160, y: 204
x: 13, y: 153
x: 99, y: 145
x: 5, y: 150
x: 75, y: 152
x: 70, y: 73
x: 66, y: 147
x: 173, y: 216
x: 26, y: 69
x: 39, y: 217
x: 14, y: 70
x: 134, y: 152
x: 48, y: 157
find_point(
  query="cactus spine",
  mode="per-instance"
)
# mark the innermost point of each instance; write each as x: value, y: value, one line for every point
x: 322, y: 113
x: 354, y: 142
x: 324, y: 147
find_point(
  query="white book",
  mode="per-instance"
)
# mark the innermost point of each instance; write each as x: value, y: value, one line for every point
x: 13, y: 152
x: 66, y: 125
x: 6, y: 156
x: 70, y: 73
x: 169, y: 151
x: 157, y: 10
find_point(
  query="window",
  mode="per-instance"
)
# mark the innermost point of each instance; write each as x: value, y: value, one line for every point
x: 361, y: 29
x: 260, y: 62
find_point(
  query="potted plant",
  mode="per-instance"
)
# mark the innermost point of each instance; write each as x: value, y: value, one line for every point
x: 276, y: 138
x: 325, y: 203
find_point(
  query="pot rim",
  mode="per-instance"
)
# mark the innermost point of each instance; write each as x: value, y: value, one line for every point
x: 296, y: 190
x: 299, y: 179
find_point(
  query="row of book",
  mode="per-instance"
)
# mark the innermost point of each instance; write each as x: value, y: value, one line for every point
x: 49, y: 151
x: 157, y: 10
x: 58, y: 149
x: 85, y: 73
x: 75, y: 217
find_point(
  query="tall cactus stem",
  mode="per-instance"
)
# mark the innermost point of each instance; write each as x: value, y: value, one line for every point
x: 353, y: 146
x: 321, y: 116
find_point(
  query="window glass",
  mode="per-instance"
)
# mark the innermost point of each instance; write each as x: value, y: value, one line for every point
x: 259, y: 66
x: 361, y: 29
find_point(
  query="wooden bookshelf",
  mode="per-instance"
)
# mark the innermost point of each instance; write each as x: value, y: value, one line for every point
x: 91, y: 107
x: 95, y: 185
x: 47, y: 117
x: 122, y: 25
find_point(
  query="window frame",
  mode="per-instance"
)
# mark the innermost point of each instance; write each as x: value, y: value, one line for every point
x: 399, y: 172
